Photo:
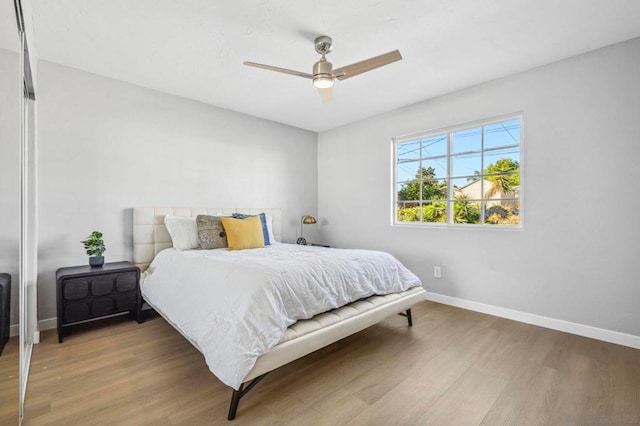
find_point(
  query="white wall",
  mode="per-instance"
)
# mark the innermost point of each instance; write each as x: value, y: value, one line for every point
x: 106, y: 146
x: 577, y: 258
x: 10, y: 172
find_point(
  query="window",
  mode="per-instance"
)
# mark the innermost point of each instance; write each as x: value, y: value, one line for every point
x: 467, y: 176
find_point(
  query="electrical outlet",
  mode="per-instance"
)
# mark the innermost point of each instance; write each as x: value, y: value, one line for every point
x: 437, y: 272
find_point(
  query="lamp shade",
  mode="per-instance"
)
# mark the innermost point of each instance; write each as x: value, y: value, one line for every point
x: 305, y: 220
x: 308, y: 220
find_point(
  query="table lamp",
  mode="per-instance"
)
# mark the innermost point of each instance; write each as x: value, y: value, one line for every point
x: 305, y: 220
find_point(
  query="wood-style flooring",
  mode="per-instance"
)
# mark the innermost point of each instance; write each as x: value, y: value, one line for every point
x: 9, y: 382
x: 453, y: 367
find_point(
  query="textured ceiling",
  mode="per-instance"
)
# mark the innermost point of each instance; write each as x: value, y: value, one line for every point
x: 195, y: 48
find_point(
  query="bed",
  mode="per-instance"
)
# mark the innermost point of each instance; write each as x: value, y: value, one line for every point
x: 270, y: 341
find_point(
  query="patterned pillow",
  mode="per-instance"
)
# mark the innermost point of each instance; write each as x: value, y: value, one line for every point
x: 210, y: 232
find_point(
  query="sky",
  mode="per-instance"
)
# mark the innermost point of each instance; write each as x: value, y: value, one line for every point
x: 501, y: 140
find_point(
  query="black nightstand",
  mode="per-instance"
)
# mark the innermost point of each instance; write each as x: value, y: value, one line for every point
x: 86, y: 293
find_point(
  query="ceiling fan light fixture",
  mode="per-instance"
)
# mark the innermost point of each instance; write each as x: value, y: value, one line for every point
x: 323, y: 74
x: 323, y: 81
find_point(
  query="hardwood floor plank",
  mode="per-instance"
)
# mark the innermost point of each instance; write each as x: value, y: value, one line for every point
x: 585, y: 395
x: 467, y: 401
x: 529, y: 397
x: 9, y: 382
x: 506, y: 356
x: 402, y: 405
x: 452, y: 367
x: 375, y: 383
x: 626, y: 391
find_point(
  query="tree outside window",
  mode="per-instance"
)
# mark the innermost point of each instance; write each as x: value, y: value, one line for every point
x: 465, y: 176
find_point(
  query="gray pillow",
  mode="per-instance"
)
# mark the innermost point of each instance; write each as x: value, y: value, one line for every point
x: 210, y: 232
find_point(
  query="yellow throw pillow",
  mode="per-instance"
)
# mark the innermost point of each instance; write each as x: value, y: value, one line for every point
x: 243, y: 233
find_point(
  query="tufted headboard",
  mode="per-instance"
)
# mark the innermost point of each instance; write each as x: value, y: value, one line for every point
x: 150, y: 235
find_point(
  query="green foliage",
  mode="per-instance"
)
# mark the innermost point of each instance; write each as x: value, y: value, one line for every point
x: 431, y: 189
x: 503, y: 183
x: 465, y: 211
x: 504, y: 175
x: 432, y: 212
x: 498, y: 219
x: 408, y: 214
x: 94, y: 244
x: 409, y: 192
x: 503, y: 165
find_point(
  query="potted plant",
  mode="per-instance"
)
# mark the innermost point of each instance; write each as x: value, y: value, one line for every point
x: 94, y: 245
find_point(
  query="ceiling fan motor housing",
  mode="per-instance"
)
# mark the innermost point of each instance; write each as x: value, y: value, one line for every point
x: 323, y: 74
x: 324, y: 68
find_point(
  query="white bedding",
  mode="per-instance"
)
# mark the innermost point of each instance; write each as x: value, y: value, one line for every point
x: 237, y: 305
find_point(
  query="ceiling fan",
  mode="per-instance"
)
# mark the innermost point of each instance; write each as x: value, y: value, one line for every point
x: 324, y: 75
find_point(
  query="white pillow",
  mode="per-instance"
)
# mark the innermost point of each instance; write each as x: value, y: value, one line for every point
x: 183, y: 231
x: 272, y: 239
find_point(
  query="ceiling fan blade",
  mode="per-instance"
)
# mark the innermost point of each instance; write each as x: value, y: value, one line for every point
x: 326, y: 94
x: 278, y: 69
x: 367, y: 65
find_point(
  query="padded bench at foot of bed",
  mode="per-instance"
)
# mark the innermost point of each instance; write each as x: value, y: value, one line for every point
x: 307, y: 336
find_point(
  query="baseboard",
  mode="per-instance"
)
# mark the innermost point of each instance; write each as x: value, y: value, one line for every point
x: 47, y: 324
x: 14, y: 330
x: 555, y: 324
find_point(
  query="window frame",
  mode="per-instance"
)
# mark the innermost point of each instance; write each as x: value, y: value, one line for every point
x: 449, y: 131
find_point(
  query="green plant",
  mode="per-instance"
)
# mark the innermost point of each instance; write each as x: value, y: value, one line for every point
x: 432, y: 212
x: 94, y: 244
x: 432, y: 189
x: 503, y: 177
x: 465, y: 211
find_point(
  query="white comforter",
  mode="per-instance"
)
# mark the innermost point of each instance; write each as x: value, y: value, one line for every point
x: 236, y: 305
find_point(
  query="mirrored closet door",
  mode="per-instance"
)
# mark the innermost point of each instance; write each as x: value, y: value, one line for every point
x: 10, y: 127
x: 18, y: 270
x: 28, y: 222
x: 27, y: 274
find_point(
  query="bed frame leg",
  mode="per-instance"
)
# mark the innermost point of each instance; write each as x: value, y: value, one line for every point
x: 407, y: 314
x: 237, y: 394
x: 235, y: 400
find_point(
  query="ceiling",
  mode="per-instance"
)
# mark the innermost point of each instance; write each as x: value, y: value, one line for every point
x: 195, y: 48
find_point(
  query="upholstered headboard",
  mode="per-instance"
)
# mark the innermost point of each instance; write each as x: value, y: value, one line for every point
x: 150, y: 235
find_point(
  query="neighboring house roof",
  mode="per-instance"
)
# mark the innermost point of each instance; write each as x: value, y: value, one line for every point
x: 473, y: 182
x: 474, y: 189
